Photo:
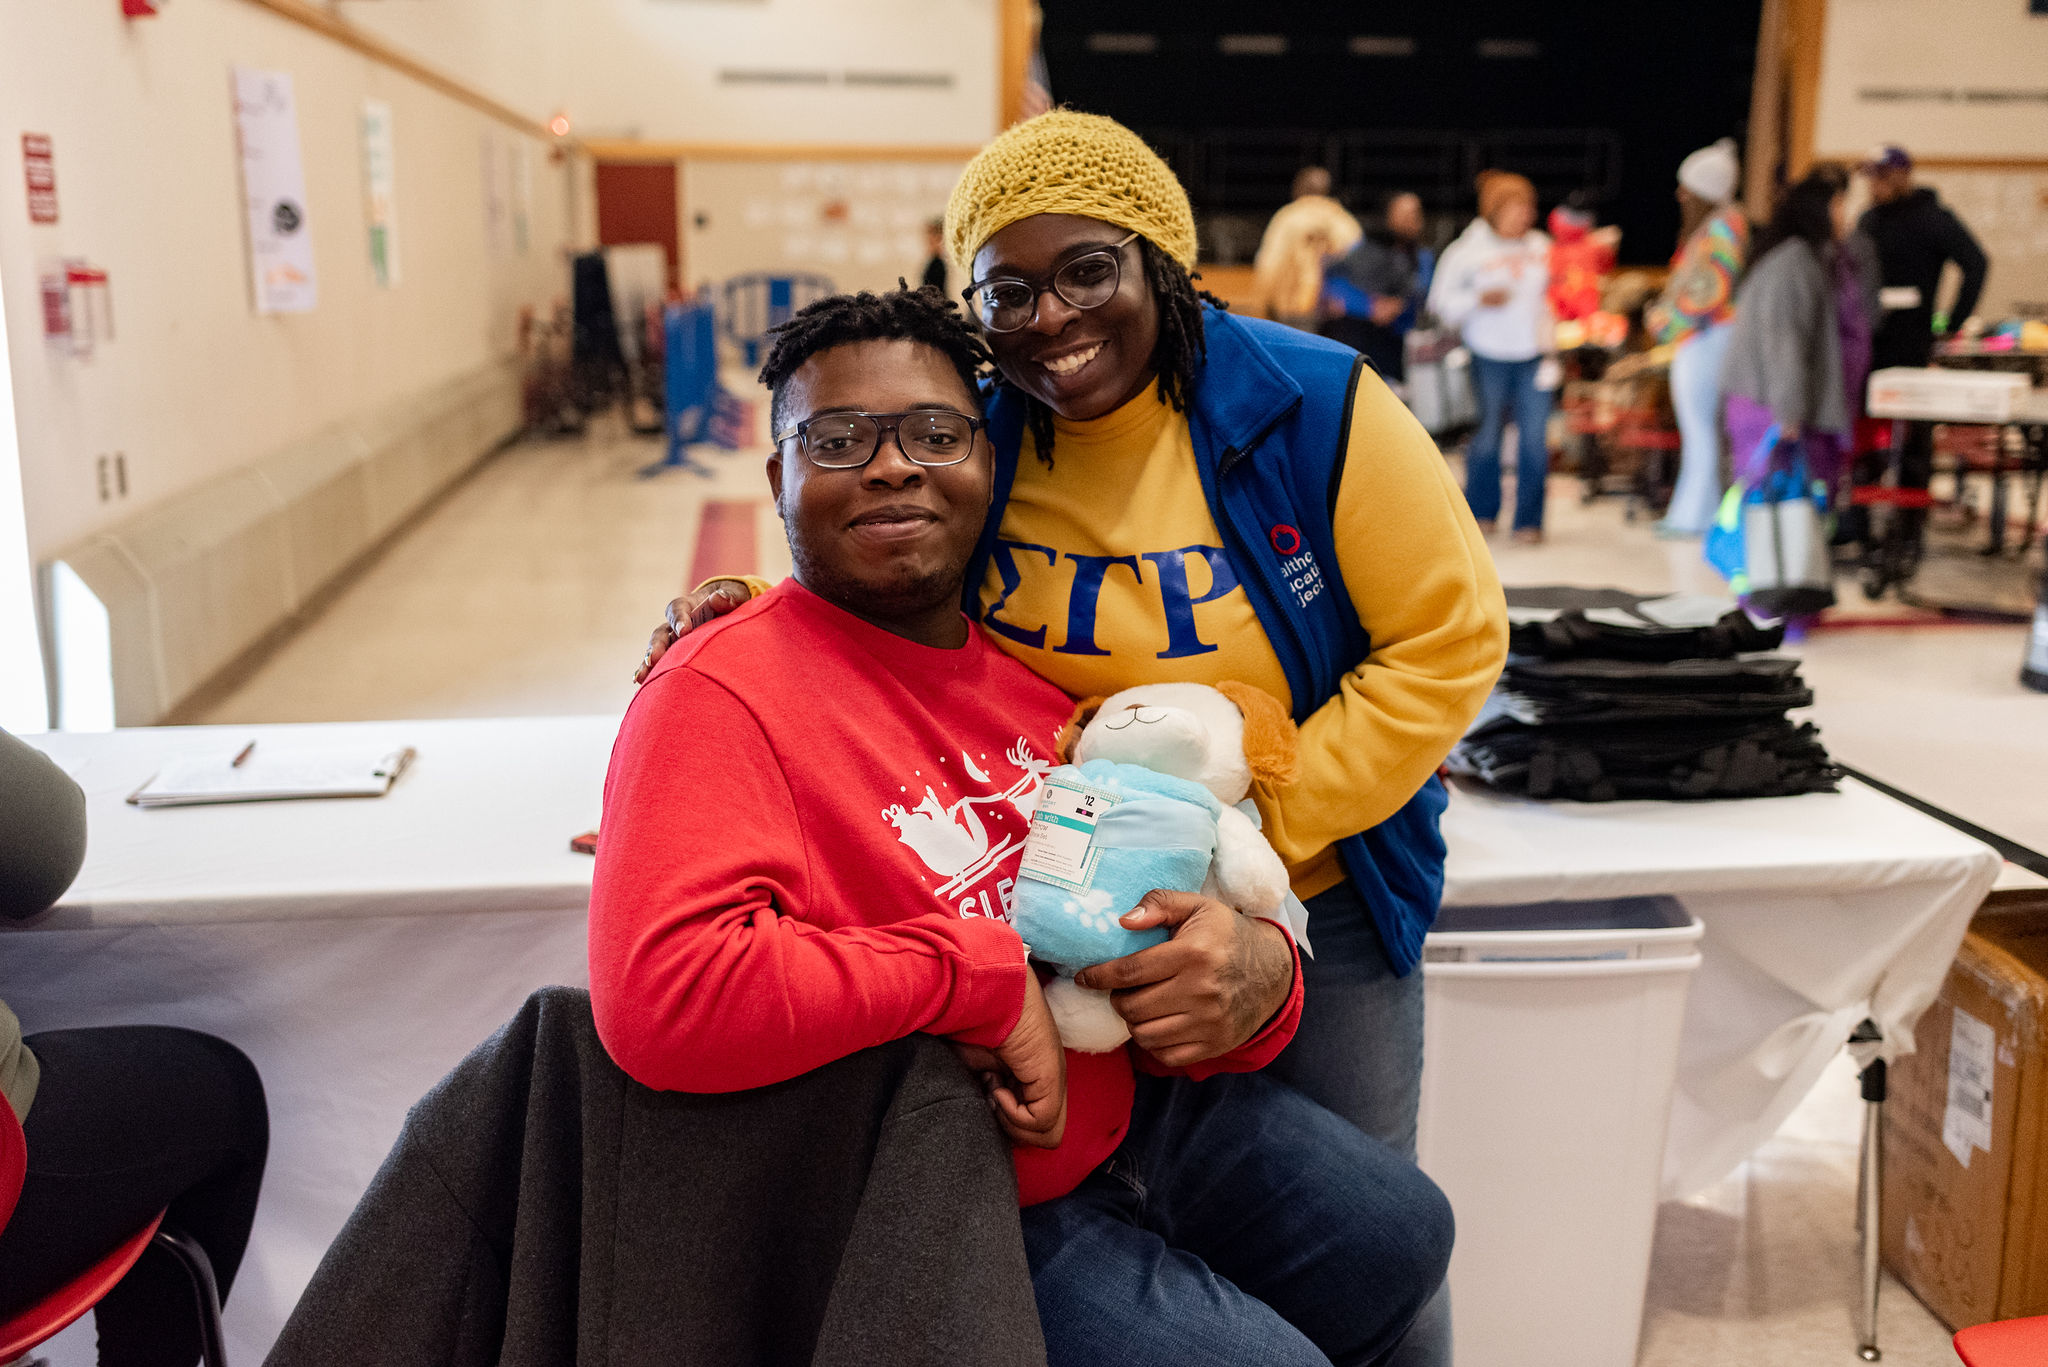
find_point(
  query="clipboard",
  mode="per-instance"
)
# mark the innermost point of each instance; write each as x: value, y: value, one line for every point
x: 275, y: 773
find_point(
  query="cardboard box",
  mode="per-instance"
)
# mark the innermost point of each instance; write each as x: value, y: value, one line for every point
x: 1927, y: 395
x: 1965, y: 1187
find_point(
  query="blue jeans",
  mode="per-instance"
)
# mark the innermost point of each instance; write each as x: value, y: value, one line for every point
x: 1696, y: 398
x: 1508, y: 388
x: 1359, y: 1053
x: 1239, y: 1222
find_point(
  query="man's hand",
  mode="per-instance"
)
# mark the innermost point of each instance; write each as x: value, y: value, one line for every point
x: 1025, y: 1076
x: 688, y: 612
x: 1210, y: 988
x: 1387, y: 307
x: 1493, y: 299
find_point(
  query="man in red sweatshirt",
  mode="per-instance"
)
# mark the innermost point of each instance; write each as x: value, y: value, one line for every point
x: 812, y: 825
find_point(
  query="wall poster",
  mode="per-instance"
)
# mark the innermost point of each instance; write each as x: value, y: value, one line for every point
x: 380, y: 186
x: 274, y: 192
x: 521, y: 159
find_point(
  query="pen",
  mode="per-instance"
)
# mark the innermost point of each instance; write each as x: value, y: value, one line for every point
x: 247, y: 750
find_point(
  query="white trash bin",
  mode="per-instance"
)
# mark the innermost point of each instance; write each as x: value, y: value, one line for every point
x: 1550, y: 1051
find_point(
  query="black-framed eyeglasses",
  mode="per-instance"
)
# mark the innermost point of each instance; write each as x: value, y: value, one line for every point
x: 1005, y: 303
x: 847, y: 441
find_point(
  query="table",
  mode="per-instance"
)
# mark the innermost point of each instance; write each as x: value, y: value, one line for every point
x: 1820, y: 910
x: 357, y: 950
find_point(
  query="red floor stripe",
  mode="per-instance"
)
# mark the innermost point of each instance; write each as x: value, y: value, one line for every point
x: 725, y: 540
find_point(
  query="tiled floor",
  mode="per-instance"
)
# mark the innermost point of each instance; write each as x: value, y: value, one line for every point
x: 532, y: 589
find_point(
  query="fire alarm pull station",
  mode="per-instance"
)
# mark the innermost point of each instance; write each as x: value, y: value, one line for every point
x: 78, y: 308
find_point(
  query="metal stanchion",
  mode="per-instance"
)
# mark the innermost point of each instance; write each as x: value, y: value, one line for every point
x: 1867, y: 1205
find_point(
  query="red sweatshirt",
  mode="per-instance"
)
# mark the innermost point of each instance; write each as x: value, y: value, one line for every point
x: 811, y: 829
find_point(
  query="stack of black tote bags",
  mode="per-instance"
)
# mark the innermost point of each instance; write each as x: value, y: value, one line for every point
x: 1608, y: 695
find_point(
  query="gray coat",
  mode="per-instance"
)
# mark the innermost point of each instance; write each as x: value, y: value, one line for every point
x: 543, y: 1209
x: 1786, y: 351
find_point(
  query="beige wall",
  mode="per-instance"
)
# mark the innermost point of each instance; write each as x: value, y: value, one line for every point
x: 860, y: 224
x: 656, y: 70
x: 1947, y: 78
x: 148, y: 182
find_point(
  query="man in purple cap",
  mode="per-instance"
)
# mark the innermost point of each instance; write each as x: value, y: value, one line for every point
x: 1916, y: 235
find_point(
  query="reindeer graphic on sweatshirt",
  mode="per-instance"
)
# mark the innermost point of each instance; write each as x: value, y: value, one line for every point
x: 955, y: 842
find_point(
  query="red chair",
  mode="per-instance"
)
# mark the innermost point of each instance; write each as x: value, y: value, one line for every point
x: 2008, y: 1343
x: 44, y: 1320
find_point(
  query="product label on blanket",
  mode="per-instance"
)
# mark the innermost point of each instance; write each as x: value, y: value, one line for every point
x: 1966, y: 1124
x: 1060, y: 848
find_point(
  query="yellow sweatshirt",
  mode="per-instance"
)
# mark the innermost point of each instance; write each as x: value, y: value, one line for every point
x: 1111, y: 573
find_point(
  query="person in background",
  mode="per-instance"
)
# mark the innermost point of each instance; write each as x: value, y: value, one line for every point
x: 121, y: 1122
x: 1492, y: 285
x: 1915, y: 235
x: 935, y: 243
x: 1372, y: 293
x: 1307, y: 231
x: 1784, y: 362
x: 1692, y: 315
x: 1581, y: 259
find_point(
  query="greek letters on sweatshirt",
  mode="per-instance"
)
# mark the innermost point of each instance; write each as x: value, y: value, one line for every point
x: 1110, y: 572
x: 811, y: 832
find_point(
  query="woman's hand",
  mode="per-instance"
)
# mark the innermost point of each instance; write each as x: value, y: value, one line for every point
x: 1210, y: 988
x: 1025, y: 1077
x: 688, y: 612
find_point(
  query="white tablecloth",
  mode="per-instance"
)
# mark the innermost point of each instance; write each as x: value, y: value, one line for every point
x: 355, y: 950
x: 1819, y: 910
x: 358, y: 949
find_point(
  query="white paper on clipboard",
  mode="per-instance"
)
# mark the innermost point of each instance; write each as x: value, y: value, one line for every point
x: 275, y: 773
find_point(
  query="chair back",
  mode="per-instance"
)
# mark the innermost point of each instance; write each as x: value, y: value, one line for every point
x: 13, y: 1162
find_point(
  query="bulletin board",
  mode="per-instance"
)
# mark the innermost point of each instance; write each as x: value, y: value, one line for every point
x: 2007, y: 209
x: 861, y: 223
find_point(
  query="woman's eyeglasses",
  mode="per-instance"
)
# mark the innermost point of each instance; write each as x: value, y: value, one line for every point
x: 1005, y: 303
x: 847, y: 441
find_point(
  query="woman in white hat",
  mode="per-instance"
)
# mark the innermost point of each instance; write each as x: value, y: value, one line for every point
x: 1693, y: 313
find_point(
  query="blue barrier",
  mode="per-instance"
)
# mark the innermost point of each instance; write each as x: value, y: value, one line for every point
x: 757, y: 304
x: 690, y: 391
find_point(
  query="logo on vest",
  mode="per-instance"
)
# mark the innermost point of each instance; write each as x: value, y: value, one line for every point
x: 1297, y: 564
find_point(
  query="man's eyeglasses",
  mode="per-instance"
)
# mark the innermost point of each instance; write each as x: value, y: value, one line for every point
x: 1005, y: 303
x: 847, y: 441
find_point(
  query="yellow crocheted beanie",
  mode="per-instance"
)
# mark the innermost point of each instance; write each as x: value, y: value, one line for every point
x: 1067, y: 163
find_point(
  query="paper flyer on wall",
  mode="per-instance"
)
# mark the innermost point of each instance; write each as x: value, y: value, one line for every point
x: 274, y: 192
x: 497, y: 214
x: 520, y: 158
x: 380, y: 187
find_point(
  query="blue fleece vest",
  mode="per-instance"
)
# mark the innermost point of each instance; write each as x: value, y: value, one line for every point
x: 1269, y: 416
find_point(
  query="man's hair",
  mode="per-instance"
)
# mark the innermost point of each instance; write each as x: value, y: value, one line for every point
x: 900, y: 315
x: 1181, y: 349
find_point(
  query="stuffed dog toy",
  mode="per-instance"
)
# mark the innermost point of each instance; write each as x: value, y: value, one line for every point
x: 1147, y: 799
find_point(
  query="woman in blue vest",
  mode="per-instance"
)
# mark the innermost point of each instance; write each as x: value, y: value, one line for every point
x: 1186, y: 495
